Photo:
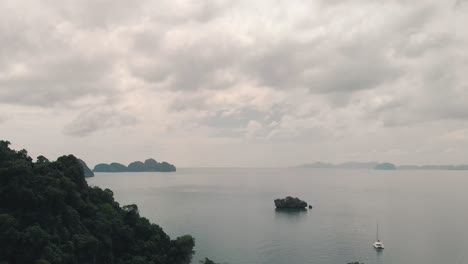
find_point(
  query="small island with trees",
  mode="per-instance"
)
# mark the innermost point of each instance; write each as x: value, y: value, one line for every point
x: 290, y: 202
x: 150, y: 165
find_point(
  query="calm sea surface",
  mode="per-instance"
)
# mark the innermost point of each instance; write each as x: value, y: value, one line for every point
x: 423, y: 215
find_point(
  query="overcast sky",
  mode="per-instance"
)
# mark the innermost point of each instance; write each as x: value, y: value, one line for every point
x: 236, y: 83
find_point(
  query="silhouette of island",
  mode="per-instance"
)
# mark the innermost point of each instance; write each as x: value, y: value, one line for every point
x: 150, y: 165
x: 346, y: 165
x: 385, y: 166
x: 290, y: 203
x: 87, y: 171
x: 433, y: 167
x: 374, y: 165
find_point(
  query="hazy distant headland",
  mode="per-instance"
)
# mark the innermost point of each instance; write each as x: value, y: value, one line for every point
x: 433, y: 167
x: 380, y: 166
x: 150, y: 165
x: 346, y: 165
x: 385, y: 166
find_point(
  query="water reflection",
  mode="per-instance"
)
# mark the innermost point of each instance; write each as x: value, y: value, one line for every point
x: 379, y: 259
x: 423, y: 223
x: 290, y: 214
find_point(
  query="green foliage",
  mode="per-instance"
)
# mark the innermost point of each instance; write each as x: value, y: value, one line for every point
x: 49, y: 215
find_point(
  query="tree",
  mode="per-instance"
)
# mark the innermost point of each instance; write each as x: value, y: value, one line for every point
x: 49, y: 215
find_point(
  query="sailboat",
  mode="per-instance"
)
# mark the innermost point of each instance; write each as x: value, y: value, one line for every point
x: 378, y: 245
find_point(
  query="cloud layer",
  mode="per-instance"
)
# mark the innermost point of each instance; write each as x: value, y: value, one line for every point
x: 285, y: 82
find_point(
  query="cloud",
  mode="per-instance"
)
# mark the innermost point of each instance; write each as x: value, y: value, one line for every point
x: 238, y: 74
x: 3, y: 119
x: 51, y: 81
x: 46, y: 61
x: 458, y: 3
x: 93, y: 120
x: 456, y: 136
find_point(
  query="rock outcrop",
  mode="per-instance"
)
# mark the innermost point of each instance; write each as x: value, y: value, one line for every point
x: 87, y: 171
x: 290, y: 203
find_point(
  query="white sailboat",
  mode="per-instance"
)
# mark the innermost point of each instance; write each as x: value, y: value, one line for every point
x: 378, y: 245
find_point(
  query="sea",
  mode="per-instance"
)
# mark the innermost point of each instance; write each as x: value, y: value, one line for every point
x: 422, y: 215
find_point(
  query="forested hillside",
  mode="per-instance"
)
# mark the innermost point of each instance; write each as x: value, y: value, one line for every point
x: 49, y: 214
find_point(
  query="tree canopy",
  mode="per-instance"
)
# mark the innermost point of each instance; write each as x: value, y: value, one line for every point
x: 49, y: 215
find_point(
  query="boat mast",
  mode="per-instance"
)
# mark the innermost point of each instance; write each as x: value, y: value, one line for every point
x: 377, y: 232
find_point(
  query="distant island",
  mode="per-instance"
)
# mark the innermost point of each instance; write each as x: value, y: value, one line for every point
x: 290, y: 203
x: 385, y: 166
x: 433, y: 167
x: 150, y: 165
x: 379, y: 166
x: 346, y: 165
